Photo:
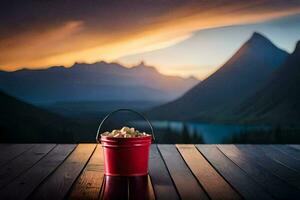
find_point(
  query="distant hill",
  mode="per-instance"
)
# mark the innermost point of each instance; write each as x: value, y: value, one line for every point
x: 279, y: 101
x: 93, y: 82
x: 22, y: 122
x: 239, y: 78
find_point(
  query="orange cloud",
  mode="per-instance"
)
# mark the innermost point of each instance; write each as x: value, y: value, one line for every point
x: 86, y: 40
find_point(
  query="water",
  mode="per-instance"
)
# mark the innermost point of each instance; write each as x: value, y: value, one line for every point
x: 210, y: 133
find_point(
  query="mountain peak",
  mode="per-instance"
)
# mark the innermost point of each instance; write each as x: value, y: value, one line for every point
x: 258, y: 35
x: 259, y: 44
x: 297, y: 48
x: 142, y: 63
x: 258, y: 38
x: 143, y: 66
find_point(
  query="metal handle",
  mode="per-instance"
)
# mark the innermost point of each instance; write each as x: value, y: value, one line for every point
x: 128, y: 110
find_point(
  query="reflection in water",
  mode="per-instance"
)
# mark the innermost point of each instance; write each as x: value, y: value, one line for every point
x: 117, y: 187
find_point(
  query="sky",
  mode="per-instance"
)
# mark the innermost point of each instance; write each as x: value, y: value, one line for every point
x: 178, y: 37
x: 207, y: 50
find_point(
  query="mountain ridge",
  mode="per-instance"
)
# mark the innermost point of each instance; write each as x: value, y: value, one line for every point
x: 139, y: 66
x: 92, y: 82
x: 22, y: 122
x: 278, y: 101
x: 235, y: 80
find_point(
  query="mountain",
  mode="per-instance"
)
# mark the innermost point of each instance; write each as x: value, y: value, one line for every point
x: 93, y: 82
x: 239, y: 78
x: 22, y: 122
x: 279, y: 101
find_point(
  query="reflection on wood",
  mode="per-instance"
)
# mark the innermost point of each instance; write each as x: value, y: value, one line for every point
x: 117, y: 187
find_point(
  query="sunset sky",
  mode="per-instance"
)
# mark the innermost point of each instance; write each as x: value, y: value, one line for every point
x: 178, y: 37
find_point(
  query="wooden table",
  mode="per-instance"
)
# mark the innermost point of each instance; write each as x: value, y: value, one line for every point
x: 69, y: 171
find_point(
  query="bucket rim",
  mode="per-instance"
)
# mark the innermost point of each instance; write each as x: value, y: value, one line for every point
x: 129, y: 138
x: 119, y: 139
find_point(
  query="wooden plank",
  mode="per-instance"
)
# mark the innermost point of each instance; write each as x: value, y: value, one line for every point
x: 57, y: 185
x: 118, y: 187
x: 150, y: 189
x: 22, y: 163
x: 289, y: 151
x: 140, y: 188
x: 115, y: 187
x: 211, y: 181
x: 295, y: 146
x: 161, y: 180
x: 28, y: 181
x: 4, y: 145
x: 186, y: 184
x: 243, y: 183
x: 278, y: 156
x: 276, y: 168
x: 10, y: 151
x: 89, y: 183
x: 275, y: 187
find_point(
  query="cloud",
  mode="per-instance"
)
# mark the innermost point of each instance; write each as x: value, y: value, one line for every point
x: 43, y: 33
x: 30, y: 47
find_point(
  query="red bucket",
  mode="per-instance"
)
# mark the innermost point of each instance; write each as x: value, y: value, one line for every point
x: 125, y: 156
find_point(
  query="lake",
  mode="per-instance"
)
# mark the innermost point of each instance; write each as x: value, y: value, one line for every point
x: 210, y: 133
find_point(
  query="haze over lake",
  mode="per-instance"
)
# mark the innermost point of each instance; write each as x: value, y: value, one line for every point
x: 210, y: 133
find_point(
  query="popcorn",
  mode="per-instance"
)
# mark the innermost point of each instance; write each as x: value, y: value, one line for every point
x: 125, y: 132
